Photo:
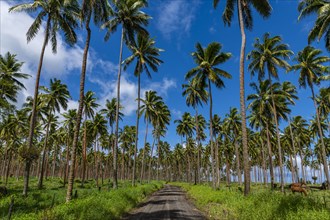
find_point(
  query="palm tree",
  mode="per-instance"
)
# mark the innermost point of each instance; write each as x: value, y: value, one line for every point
x: 10, y: 76
x: 233, y: 123
x: 89, y: 105
x: 207, y: 60
x: 126, y: 13
x: 145, y: 53
x: 245, y: 21
x: 322, y: 23
x: 269, y: 54
x: 310, y: 69
x: 55, y: 97
x: 196, y: 94
x: 323, y: 101
x: 99, y: 11
x: 149, y: 108
x: 59, y: 15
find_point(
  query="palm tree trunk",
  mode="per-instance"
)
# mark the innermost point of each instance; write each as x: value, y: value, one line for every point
x: 270, y: 155
x: 278, y: 136
x: 84, y: 152
x: 294, y: 152
x: 198, y: 143
x: 34, y: 111
x: 152, y: 150
x: 324, y: 158
x: 115, y: 181
x: 264, y: 163
x: 54, y: 161
x: 238, y: 166
x: 45, y: 152
x: 144, y: 149
x: 211, y: 137
x: 158, y: 159
x: 79, y: 114
x: 246, y: 160
x: 8, y: 167
x: 137, y: 129
x: 217, y: 161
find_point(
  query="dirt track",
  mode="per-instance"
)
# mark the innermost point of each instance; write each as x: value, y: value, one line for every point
x: 168, y: 203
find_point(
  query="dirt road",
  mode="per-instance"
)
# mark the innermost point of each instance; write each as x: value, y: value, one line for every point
x: 168, y: 203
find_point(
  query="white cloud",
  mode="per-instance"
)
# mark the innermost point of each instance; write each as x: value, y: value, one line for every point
x: 176, y: 16
x: 13, y: 28
x: 128, y: 88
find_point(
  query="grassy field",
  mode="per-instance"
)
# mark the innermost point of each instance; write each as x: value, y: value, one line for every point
x: 49, y: 203
x: 261, y: 204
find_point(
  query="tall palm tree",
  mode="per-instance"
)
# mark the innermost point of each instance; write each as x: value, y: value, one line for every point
x: 89, y: 106
x: 196, y: 94
x: 146, y: 55
x: 264, y: 8
x: 149, y: 108
x: 54, y: 97
x: 323, y: 101
x: 207, y: 60
x: 59, y: 15
x: 322, y: 23
x: 310, y: 67
x: 10, y: 77
x: 269, y: 54
x: 127, y: 14
x: 99, y: 12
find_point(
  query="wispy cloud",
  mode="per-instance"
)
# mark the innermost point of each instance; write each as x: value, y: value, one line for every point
x: 176, y: 16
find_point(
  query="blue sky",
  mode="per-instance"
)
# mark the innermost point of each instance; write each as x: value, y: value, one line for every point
x: 176, y: 26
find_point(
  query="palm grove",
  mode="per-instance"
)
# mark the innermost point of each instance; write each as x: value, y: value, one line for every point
x: 89, y: 142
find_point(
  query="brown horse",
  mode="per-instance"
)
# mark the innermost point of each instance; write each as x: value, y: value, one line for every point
x: 299, y: 187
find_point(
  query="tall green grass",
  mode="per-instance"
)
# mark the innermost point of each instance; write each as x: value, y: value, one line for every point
x: 261, y: 204
x: 49, y: 203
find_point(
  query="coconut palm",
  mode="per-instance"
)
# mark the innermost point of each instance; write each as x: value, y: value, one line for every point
x: 89, y: 106
x: 322, y: 23
x: 59, y: 15
x: 127, y: 14
x: 99, y: 12
x: 146, y: 55
x: 310, y: 67
x: 207, y: 60
x: 323, y: 101
x: 10, y: 77
x: 55, y: 97
x: 269, y: 54
x: 149, y: 108
x: 264, y: 8
x: 196, y: 94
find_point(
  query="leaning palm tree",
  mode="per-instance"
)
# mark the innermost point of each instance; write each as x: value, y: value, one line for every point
x: 99, y: 11
x: 146, y: 55
x: 54, y: 97
x: 310, y: 70
x: 245, y: 21
x: 322, y: 23
x: 207, y: 60
x: 269, y: 54
x: 59, y: 15
x: 127, y: 14
x: 10, y: 76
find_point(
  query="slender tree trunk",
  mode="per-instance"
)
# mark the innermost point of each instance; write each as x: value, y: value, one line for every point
x: 45, y: 151
x: 278, y: 136
x: 34, y: 111
x: 158, y: 159
x: 152, y: 150
x: 217, y: 161
x: 264, y: 163
x: 137, y: 129
x: 324, y: 158
x: 238, y: 166
x: 54, y: 161
x: 292, y: 169
x: 8, y: 167
x: 198, y: 150
x: 302, y: 164
x: 84, y: 152
x: 294, y: 152
x: 246, y: 160
x: 144, y: 151
x: 115, y: 180
x: 211, y: 138
x: 270, y: 154
x: 79, y: 113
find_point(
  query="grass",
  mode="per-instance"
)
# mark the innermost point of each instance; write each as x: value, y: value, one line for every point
x: 261, y: 204
x: 49, y: 203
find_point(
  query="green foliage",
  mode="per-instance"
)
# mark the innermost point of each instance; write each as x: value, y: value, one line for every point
x: 261, y: 204
x: 49, y: 203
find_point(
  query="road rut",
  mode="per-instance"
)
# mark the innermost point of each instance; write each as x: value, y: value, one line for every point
x: 166, y: 204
